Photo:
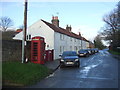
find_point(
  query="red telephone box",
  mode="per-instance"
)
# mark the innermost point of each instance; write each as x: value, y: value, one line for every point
x: 37, y: 50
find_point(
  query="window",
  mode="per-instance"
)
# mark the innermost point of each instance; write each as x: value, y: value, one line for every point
x: 60, y: 49
x: 75, y: 48
x: 28, y: 37
x: 75, y: 40
x: 71, y: 48
x: 61, y: 36
x: 70, y: 38
x: 63, y: 48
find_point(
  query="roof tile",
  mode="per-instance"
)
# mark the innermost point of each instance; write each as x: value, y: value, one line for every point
x: 64, y: 31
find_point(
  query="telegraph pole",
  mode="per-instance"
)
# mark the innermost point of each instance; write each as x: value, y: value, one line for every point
x: 81, y: 42
x: 24, y: 43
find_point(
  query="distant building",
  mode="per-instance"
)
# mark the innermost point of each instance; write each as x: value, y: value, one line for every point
x: 56, y: 38
x: 91, y: 45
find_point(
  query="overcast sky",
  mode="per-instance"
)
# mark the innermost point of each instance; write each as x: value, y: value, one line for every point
x: 85, y: 17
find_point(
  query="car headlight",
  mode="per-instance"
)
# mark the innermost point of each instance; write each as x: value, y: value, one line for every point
x: 62, y: 60
x: 76, y: 59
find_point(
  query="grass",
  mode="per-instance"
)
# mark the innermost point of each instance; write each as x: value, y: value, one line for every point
x: 18, y: 74
x: 114, y: 52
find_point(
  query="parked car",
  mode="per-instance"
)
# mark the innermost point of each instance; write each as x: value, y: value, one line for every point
x: 69, y: 58
x: 92, y: 51
x: 89, y: 51
x: 83, y: 52
x: 96, y: 50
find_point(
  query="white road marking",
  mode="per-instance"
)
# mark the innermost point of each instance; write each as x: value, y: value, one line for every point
x: 51, y: 75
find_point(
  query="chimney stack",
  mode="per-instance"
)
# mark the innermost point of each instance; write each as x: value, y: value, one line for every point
x: 68, y: 28
x: 55, y: 21
x: 79, y: 34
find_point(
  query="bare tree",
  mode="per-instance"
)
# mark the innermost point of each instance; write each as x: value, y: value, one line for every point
x: 111, y: 21
x: 5, y: 23
x: 111, y: 31
x: 111, y: 24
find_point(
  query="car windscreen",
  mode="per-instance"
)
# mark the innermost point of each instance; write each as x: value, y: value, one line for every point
x: 82, y: 51
x: 69, y: 54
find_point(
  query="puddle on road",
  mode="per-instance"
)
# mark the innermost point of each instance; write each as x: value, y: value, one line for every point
x: 93, y: 62
x: 85, y: 70
x: 97, y: 78
x: 104, y: 53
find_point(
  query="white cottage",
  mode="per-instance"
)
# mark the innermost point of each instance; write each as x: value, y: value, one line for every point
x: 56, y: 38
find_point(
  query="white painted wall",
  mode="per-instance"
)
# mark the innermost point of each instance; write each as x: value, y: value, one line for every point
x: 18, y: 36
x: 87, y: 44
x: 39, y: 28
x: 84, y: 44
x: 65, y: 43
x: 54, y: 40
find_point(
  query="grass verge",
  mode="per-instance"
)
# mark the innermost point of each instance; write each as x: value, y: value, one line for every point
x: 18, y: 74
x: 115, y: 53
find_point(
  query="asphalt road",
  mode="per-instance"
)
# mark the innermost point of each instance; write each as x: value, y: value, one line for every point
x: 96, y: 71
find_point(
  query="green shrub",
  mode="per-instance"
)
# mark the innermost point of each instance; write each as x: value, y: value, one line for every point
x: 114, y: 52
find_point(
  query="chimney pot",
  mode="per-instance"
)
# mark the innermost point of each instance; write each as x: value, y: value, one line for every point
x: 55, y: 21
x: 52, y: 17
x: 56, y: 17
x: 68, y: 28
x: 79, y: 34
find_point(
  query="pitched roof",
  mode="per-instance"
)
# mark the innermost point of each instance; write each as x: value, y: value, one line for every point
x: 64, y: 31
x: 18, y: 30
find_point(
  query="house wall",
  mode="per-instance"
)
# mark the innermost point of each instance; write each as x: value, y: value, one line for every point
x: 39, y: 29
x: 84, y: 45
x: 65, y: 43
x: 18, y: 36
x: 87, y: 44
x: 54, y: 40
